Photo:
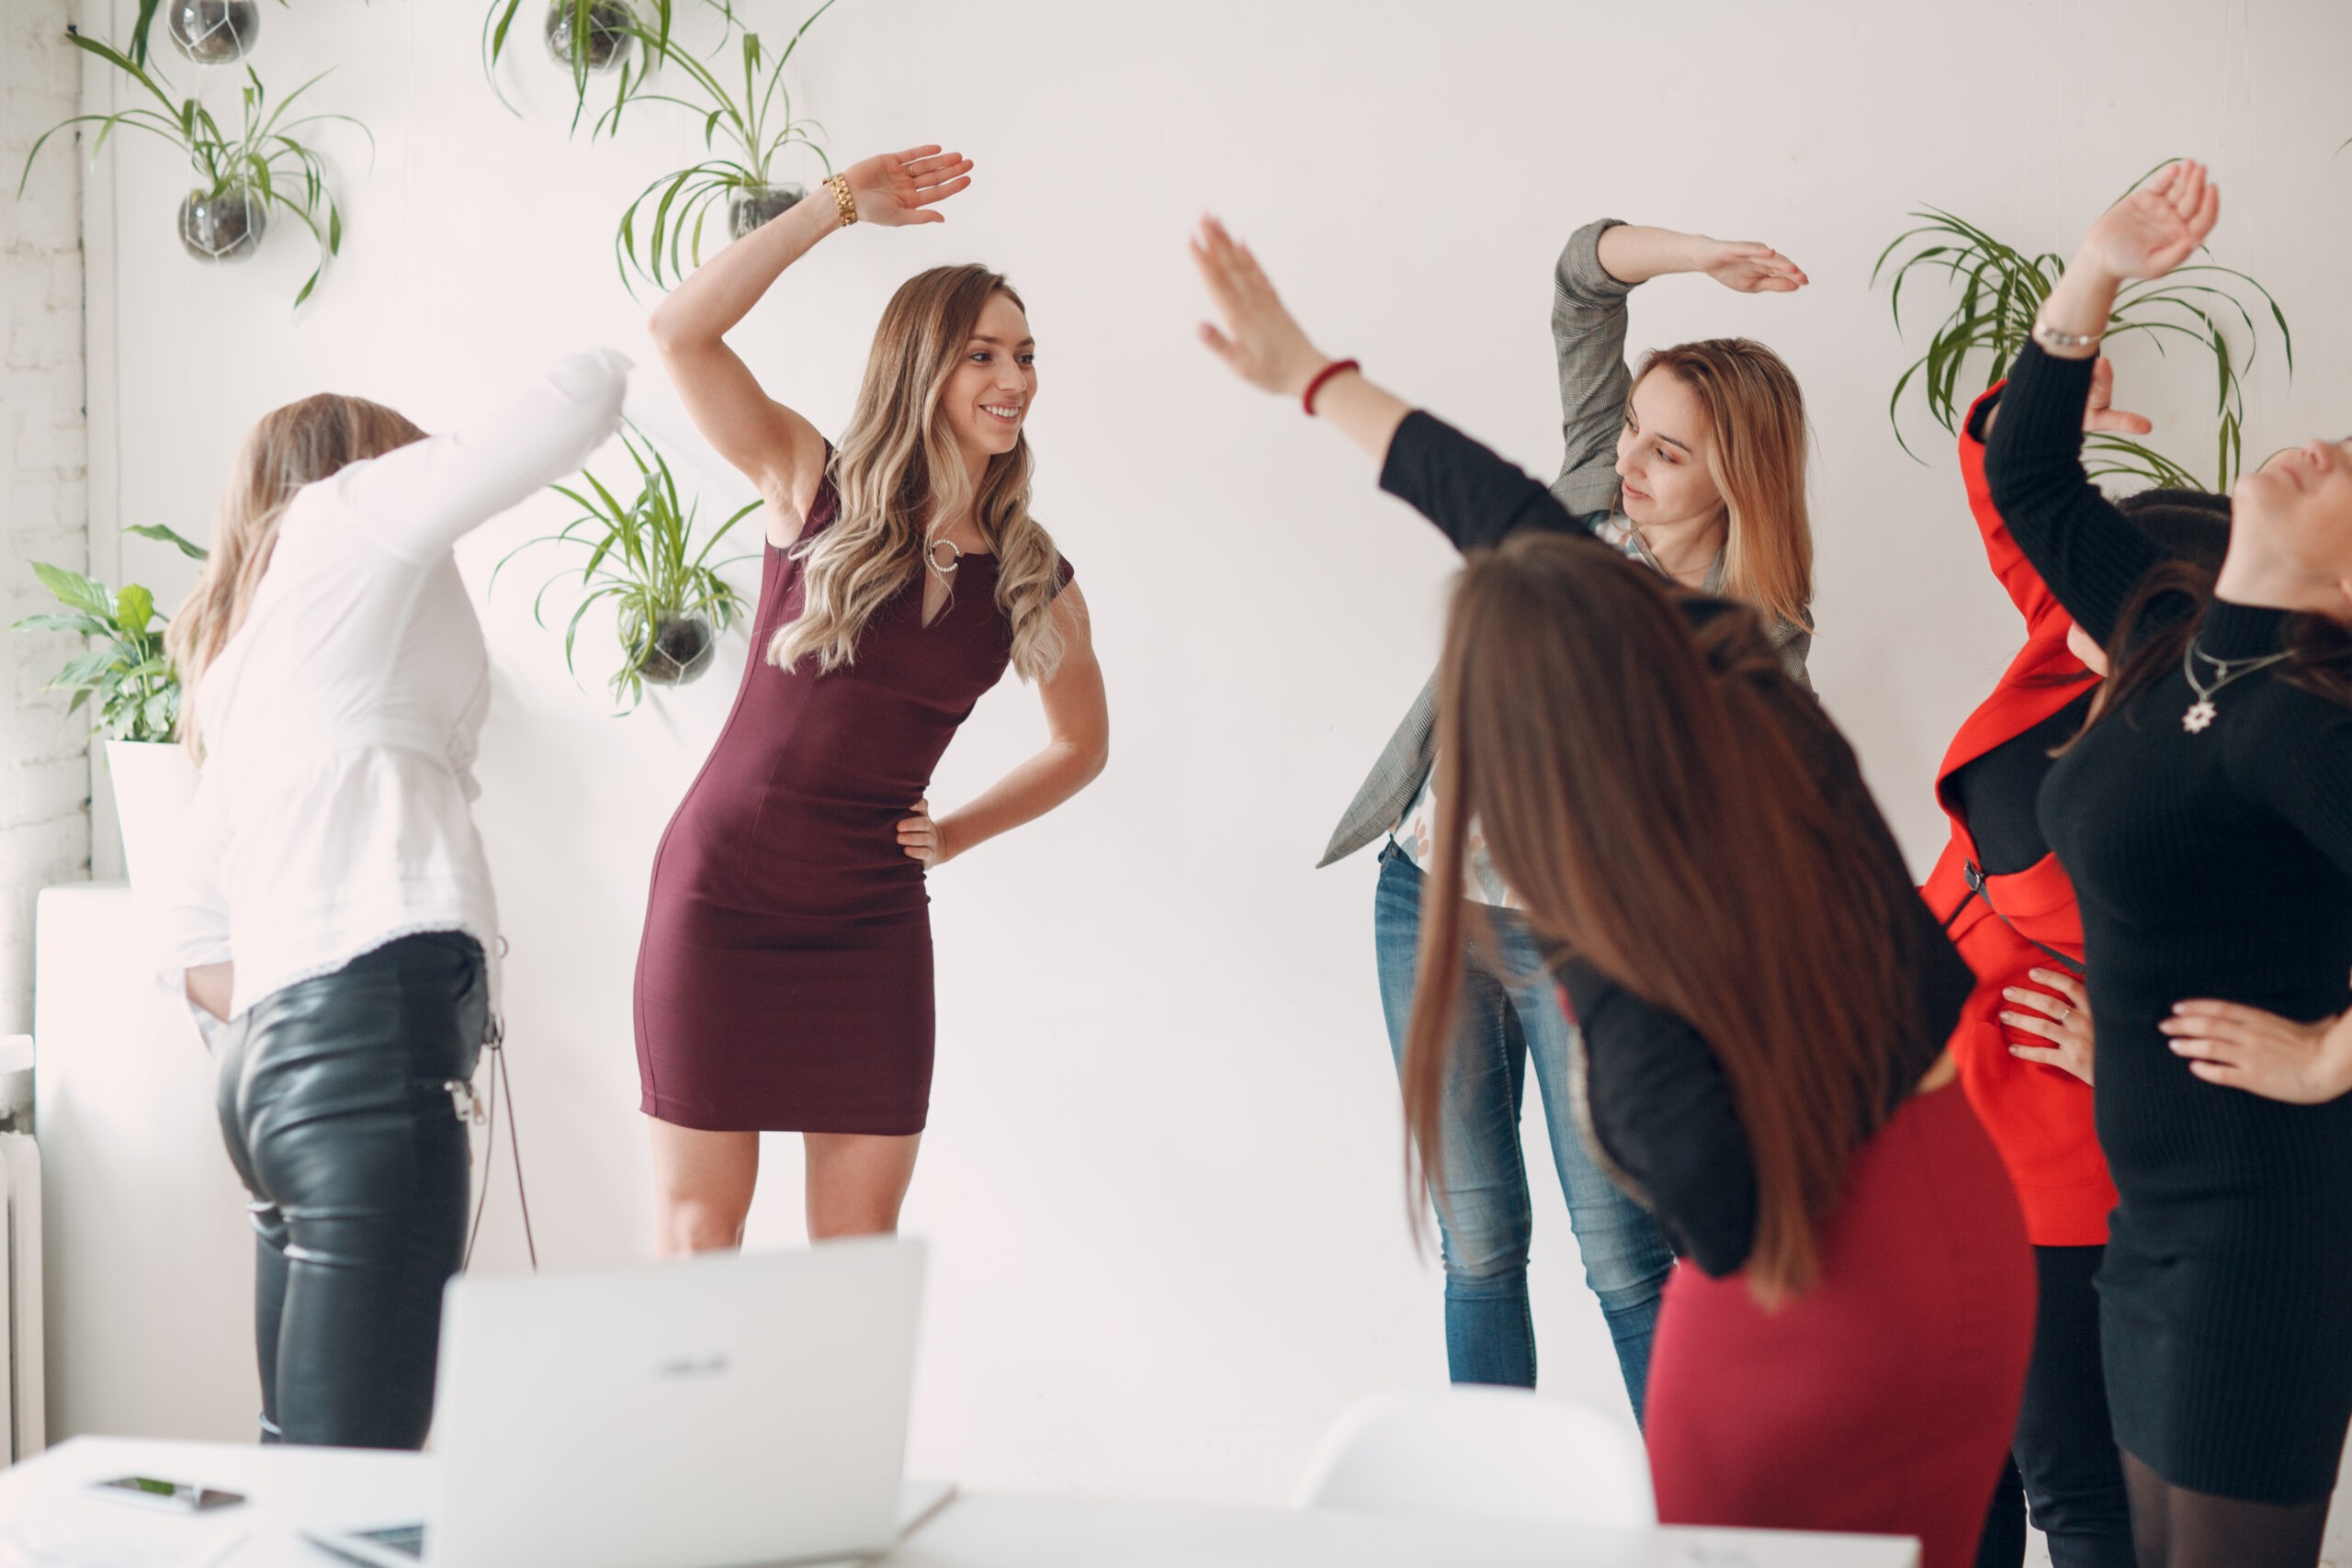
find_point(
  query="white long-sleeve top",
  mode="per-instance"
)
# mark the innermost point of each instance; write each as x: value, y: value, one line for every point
x: 340, y: 722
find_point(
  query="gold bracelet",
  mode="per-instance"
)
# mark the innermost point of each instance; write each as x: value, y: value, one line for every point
x: 844, y: 203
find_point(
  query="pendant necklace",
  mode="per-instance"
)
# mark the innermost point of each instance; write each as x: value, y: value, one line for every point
x: 2202, y: 713
x: 946, y: 572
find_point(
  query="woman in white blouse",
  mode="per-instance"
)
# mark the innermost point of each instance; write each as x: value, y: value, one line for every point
x: 333, y: 900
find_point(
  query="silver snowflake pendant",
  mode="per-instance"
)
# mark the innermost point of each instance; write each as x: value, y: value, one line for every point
x: 2200, y: 715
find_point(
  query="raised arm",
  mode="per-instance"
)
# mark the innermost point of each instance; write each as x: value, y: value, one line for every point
x: 421, y: 499
x: 2091, y: 557
x: 1601, y: 264
x: 781, y: 453
x: 2044, y: 617
x: 1474, y: 496
x: 1588, y: 342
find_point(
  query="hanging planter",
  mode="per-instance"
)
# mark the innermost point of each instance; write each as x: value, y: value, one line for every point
x: 214, y: 32
x: 596, y: 35
x: 588, y: 38
x: 682, y: 647
x: 757, y: 125
x: 748, y: 207
x: 224, y: 225
x: 670, y: 603
x: 240, y: 175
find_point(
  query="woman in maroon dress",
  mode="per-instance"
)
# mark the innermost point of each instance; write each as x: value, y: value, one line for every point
x: 785, y: 978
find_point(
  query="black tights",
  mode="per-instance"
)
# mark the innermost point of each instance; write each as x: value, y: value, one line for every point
x: 2175, y: 1528
x: 2063, y: 1458
x: 335, y: 1109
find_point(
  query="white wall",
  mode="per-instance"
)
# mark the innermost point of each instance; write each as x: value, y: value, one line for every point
x: 44, y: 508
x: 1163, y: 1175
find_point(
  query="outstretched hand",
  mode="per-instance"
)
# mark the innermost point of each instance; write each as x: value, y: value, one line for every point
x: 2156, y: 228
x: 2099, y: 413
x: 1262, y: 340
x: 2261, y: 1052
x: 1748, y: 267
x: 897, y: 188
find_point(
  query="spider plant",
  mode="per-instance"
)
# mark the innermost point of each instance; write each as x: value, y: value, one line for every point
x: 591, y: 38
x: 669, y: 600
x: 755, y: 127
x: 123, y: 665
x: 240, y: 177
x: 2002, y: 288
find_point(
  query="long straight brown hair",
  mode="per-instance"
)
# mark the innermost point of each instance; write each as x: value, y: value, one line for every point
x: 287, y: 448
x: 1645, y: 789
x: 1757, y: 458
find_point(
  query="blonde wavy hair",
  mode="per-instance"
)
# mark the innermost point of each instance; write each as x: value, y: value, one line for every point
x: 1757, y: 461
x: 288, y: 448
x: 899, y: 475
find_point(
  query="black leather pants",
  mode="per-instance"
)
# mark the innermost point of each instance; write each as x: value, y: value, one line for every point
x: 334, y: 1105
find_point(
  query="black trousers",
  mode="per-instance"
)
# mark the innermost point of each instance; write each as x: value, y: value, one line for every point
x: 334, y: 1104
x: 2064, y: 1461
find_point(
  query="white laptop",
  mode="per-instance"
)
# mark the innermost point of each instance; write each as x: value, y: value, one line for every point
x: 721, y: 1411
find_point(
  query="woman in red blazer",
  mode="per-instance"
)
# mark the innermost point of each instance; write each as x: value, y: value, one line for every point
x: 2023, y: 1045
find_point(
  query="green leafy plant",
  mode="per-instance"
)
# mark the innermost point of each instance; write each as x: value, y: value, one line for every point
x: 594, y: 36
x: 642, y: 561
x: 264, y: 159
x: 122, y: 666
x: 2002, y: 288
x: 661, y: 230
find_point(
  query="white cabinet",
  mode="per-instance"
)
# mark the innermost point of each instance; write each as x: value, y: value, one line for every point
x: 148, y: 1258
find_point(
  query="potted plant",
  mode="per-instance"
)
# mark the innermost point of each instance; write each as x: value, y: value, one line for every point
x: 589, y: 38
x: 122, y: 669
x: 209, y: 32
x: 670, y: 601
x: 2002, y: 288
x: 241, y: 177
x: 756, y: 127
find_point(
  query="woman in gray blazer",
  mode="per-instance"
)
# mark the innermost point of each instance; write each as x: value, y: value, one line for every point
x: 1696, y: 466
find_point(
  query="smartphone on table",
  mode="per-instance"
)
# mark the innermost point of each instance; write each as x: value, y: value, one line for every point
x: 169, y: 1496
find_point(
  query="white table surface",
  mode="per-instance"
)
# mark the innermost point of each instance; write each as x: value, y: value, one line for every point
x: 289, y: 1487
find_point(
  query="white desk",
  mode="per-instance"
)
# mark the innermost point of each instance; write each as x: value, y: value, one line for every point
x: 330, y: 1487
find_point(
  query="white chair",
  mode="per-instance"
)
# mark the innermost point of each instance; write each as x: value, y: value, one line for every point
x: 1493, y: 1452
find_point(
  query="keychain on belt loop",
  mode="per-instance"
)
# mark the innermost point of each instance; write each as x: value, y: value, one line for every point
x: 470, y: 1108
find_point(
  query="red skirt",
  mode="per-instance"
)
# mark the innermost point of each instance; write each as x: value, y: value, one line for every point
x: 1882, y: 1401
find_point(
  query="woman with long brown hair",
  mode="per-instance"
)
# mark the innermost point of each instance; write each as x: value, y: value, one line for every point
x: 785, y: 978
x: 332, y: 895
x: 2205, y: 816
x: 1763, y: 997
x: 1693, y: 464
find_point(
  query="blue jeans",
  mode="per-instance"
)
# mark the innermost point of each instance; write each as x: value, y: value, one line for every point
x: 1485, y: 1223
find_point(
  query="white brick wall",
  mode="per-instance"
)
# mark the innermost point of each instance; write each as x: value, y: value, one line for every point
x: 44, y: 491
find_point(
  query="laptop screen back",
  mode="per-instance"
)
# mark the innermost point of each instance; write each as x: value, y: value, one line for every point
x: 722, y: 1410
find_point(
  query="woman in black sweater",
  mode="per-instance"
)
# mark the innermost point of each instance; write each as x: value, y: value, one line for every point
x: 1764, y: 999
x: 2205, y: 816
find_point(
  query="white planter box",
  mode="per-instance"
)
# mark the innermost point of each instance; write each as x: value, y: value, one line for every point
x: 154, y: 785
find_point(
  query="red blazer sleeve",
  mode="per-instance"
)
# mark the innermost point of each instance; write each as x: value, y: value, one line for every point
x: 2044, y: 617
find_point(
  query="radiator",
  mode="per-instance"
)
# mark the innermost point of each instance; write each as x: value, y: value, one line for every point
x: 22, y: 1402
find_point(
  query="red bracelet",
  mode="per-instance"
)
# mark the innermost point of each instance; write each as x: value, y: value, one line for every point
x: 1306, y: 398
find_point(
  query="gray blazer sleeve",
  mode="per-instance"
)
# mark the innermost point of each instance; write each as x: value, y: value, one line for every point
x: 1794, y: 645
x: 1589, y: 337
